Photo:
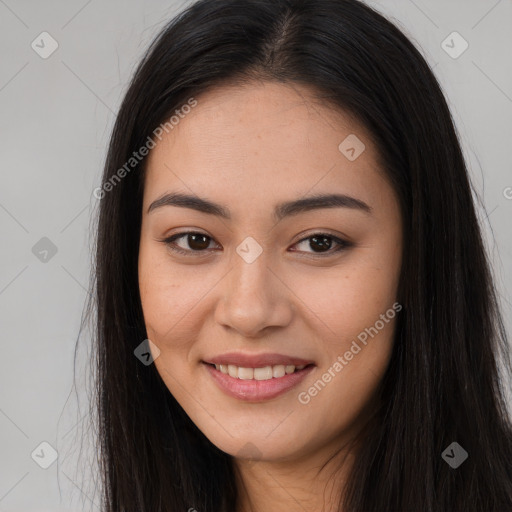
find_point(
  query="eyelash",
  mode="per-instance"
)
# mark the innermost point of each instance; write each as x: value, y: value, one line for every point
x: 169, y: 242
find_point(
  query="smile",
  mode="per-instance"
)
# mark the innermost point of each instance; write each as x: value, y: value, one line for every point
x: 257, y: 384
x: 265, y: 373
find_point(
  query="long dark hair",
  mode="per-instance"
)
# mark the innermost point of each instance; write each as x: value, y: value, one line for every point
x: 443, y: 381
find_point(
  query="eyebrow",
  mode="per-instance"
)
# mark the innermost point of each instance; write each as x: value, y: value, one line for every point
x: 281, y: 211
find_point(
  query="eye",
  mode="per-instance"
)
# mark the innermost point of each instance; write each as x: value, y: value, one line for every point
x: 198, y: 242
x: 321, y: 243
x: 324, y: 243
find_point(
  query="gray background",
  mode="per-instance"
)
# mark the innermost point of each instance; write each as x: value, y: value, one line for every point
x: 56, y: 117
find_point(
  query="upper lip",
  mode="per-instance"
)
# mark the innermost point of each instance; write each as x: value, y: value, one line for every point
x: 257, y: 360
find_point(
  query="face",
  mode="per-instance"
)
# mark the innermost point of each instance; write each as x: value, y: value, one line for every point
x: 267, y: 280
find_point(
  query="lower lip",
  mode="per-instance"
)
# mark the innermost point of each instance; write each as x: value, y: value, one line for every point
x: 257, y: 390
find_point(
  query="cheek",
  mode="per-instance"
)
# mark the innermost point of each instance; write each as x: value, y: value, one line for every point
x: 354, y: 317
x: 356, y: 332
x: 355, y: 323
x: 168, y: 299
x: 346, y: 301
x: 171, y: 304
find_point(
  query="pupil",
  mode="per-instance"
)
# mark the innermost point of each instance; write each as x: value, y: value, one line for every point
x: 321, y: 242
x: 204, y: 245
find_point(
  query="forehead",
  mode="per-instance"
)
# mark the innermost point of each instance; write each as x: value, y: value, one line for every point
x: 262, y: 141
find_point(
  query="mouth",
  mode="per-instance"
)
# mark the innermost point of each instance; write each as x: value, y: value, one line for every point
x: 257, y: 384
x: 258, y: 373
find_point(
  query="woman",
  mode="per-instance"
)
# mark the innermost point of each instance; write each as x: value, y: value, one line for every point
x: 295, y: 307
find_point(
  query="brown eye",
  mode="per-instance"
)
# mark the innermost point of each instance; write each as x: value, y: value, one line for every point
x: 198, y: 242
x: 322, y: 243
x: 193, y: 241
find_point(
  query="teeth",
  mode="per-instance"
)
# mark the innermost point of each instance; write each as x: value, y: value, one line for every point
x: 245, y: 373
x: 278, y: 371
x: 265, y: 373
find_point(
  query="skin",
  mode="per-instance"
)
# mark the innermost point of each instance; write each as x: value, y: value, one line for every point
x: 248, y: 149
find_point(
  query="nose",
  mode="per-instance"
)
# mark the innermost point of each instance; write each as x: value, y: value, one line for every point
x: 254, y: 298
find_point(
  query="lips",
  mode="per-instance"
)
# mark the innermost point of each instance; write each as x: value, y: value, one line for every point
x: 257, y: 390
x: 257, y: 360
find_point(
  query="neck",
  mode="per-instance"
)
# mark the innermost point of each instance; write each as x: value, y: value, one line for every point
x: 311, y: 482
